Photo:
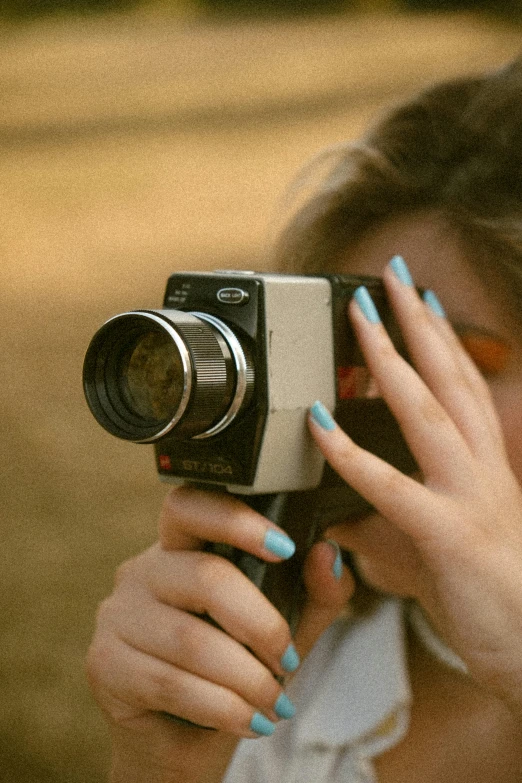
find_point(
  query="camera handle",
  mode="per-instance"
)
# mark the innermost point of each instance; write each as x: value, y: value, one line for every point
x: 282, y: 583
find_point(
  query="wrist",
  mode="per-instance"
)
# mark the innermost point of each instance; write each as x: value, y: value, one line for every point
x: 189, y: 756
x: 125, y: 770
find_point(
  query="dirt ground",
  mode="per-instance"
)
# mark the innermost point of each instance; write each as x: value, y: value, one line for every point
x: 130, y: 148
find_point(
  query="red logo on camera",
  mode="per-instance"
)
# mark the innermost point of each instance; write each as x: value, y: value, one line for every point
x: 346, y: 382
x: 164, y: 462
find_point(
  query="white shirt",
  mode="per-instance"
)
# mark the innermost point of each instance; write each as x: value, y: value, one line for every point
x: 352, y: 696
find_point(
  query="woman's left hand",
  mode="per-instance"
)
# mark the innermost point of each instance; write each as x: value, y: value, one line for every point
x: 452, y: 539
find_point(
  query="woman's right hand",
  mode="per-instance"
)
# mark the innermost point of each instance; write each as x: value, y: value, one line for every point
x: 153, y: 655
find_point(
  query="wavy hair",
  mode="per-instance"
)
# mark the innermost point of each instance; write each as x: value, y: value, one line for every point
x: 454, y: 149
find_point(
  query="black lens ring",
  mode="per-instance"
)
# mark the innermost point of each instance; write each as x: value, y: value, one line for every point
x: 100, y: 389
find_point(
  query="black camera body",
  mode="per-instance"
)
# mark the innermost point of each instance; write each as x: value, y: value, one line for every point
x: 284, y: 326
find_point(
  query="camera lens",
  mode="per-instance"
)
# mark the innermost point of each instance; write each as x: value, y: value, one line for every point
x: 152, y: 373
x: 151, y: 381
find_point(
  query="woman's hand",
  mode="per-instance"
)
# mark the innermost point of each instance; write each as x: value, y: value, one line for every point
x: 153, y: 655
x: 453, y: 540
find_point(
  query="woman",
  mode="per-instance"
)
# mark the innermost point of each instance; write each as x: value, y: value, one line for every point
x: 426, y: 683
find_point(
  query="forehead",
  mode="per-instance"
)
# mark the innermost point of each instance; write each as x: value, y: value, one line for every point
x: 432, y: 251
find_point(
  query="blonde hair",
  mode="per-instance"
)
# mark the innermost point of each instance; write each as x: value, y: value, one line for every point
x: 455, y: 149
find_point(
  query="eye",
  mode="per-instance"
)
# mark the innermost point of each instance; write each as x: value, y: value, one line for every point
x: 490, y: 354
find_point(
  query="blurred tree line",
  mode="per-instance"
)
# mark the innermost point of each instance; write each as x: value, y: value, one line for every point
x: 31, y: 8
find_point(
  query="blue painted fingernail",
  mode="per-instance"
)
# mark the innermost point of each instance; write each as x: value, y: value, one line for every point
x: 365, y: 302
x: 284, y: 707
x: 279, y: 544
x: 337, y: 567
x: 433, y: 303
x: 400, y: 268
x: 321, y: 416
x: 262, y: 725
x: 290, y: 660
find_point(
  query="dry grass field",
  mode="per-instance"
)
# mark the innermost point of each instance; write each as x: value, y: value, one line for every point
x: 130, y: 148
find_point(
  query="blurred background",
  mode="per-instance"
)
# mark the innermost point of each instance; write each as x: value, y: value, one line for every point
x: 136, y: 139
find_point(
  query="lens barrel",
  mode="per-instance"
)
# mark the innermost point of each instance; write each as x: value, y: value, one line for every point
x: 149, y: 373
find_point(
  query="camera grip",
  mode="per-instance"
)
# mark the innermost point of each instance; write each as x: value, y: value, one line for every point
x: 282, y: 583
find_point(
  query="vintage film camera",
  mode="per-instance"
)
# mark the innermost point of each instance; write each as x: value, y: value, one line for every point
x: 220, y: 381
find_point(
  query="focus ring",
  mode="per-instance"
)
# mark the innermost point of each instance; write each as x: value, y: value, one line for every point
x: 213, y: 379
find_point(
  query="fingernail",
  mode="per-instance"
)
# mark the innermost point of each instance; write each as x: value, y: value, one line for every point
x: 321, y: 416
x: 290, y: 660
x: 365, y: 302
x: 337, y: 567
x: 279, y: 544
x: 400, y: 268
x: 284, y: 707
x: 433, y: 303
x: 262, y: 725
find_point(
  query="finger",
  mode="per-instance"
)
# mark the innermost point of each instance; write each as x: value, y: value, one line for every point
x: 388, y: 557
x: 148, y: 683
x: 193, y: 645
x: 431, y: 434
x: 329, y: 586
x: 468, y: 367
x: 205, y: 584
x: 441, y: 361
x: 408, y: 504
x: 191, y: 517
x: 374, y: 537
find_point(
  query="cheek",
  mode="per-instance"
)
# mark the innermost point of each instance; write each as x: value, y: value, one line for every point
x: 508, y: 402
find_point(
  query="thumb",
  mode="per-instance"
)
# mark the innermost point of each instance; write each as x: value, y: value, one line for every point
x: 329, y: 586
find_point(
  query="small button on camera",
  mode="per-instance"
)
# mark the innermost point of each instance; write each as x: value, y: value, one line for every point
x: 233, y: 296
